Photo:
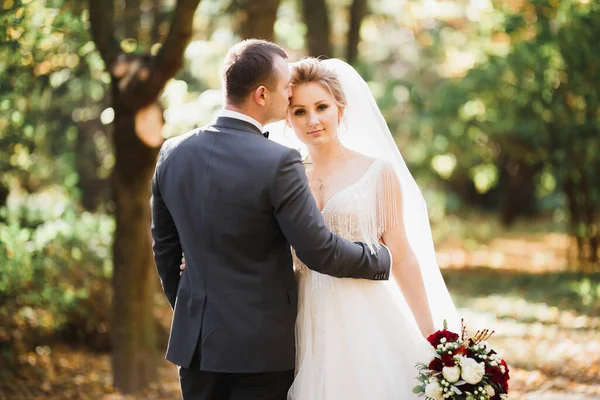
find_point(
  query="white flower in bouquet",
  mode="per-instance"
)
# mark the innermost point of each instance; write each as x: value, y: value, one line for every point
x: 434, y: 390
x: 472, y: 371
x: 490, y: 390
x: 451, y: 374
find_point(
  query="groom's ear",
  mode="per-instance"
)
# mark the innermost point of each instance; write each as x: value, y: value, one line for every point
x: 260, y: 95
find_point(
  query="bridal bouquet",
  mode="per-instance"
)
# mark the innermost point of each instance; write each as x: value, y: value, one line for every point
x: 463, y: 368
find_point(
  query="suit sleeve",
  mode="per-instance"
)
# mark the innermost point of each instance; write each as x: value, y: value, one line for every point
x: 302, y: 224
x: 166, y: 245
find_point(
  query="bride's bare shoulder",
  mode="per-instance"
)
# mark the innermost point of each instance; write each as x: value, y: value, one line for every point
x: 364, y: 162
x: 361, y: 159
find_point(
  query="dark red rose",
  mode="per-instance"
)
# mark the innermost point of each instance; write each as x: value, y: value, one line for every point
x: 462, y: 350
x: 504, y: 382
x: 467, y: 387
x: 435, y: 338
x: 448, y: 360
x: 436, y: 365
x: 496, y: 376
x: 470, y: 353
x: 503, y: 363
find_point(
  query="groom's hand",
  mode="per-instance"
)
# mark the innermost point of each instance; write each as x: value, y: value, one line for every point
x: 183, y: 265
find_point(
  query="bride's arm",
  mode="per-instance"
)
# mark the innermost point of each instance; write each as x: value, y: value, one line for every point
x: 405, y: 268
x: 407, y: 274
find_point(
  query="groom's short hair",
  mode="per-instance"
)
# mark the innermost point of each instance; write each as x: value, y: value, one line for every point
x: 248, y: 65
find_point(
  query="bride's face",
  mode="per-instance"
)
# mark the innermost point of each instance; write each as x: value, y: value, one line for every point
x: 313, y: 114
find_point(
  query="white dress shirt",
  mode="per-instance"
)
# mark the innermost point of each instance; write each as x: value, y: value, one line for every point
x: 238, y: 115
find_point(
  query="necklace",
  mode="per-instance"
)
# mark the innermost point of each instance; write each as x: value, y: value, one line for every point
x: 320, y: 182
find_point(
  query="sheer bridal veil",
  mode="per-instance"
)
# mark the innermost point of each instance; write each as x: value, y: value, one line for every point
x: 367, y: 132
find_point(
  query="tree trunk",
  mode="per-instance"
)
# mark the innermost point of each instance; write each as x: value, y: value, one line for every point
x: 589, y: 218
x: 591, y: 186
x: 158, y: 17
x: 133, y: 330
x: 260, y: 19
x: 4, y: 192
x: 318, y: 29
x: 137, y: 81
x: 358, y: 11
x: 518, y: 189
x: 574, y: 215
x: 132, y: 18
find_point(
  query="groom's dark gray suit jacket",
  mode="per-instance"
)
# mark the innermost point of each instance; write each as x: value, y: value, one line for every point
x: 234, y: 202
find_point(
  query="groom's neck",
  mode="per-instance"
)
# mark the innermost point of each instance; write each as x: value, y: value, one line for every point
x: 245, y: 110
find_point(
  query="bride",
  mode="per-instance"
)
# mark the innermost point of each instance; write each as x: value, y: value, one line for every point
x: 359, y: 339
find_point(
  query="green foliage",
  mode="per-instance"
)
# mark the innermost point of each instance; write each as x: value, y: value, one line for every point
x: 51, y: 81
x: 534, y: 105
x: 55, y: 277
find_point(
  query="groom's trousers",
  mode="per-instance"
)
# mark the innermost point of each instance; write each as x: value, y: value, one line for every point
x: 203, y: 385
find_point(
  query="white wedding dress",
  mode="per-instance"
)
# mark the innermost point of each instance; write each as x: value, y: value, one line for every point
x: 356, y: 339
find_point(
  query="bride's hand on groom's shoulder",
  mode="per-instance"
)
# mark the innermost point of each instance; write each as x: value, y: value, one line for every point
x: 183, y: 265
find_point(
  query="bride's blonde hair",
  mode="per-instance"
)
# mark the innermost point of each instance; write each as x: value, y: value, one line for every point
x: 312, y: 70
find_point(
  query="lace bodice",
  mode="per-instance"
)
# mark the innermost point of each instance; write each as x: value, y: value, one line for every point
x: 361, y: 211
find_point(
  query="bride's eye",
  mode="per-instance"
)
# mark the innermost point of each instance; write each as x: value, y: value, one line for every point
x: 322, y: 107
x: 299, y: 112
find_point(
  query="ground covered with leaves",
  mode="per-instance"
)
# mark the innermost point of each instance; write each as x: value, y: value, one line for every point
x: 547, y: 324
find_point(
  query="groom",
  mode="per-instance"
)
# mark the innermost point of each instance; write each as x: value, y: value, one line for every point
x: 234, y: 202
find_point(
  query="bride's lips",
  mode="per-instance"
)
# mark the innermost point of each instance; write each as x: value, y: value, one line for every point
x: 315, y: 132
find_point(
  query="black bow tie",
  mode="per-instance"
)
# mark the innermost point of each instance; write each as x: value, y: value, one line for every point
x: 266, y: 134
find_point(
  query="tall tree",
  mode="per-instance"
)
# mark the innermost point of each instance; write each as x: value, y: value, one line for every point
x: 318, y: 28
x: 358, y: 11
x: 260, y: 19
x: 136, y: 82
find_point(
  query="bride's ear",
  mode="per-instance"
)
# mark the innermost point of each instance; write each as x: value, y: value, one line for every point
x: 341, y: 110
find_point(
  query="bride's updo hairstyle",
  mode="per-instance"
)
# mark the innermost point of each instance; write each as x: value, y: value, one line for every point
x: 312, y: 70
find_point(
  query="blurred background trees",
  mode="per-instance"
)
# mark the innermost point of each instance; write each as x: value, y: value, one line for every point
x: 494, y: 105
x: 529, y: 109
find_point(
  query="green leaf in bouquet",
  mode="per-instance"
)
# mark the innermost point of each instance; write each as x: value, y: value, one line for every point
x: 422, y: 378
x: 421, y: 366
x: 418, y: 389
x: 445, y: 324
